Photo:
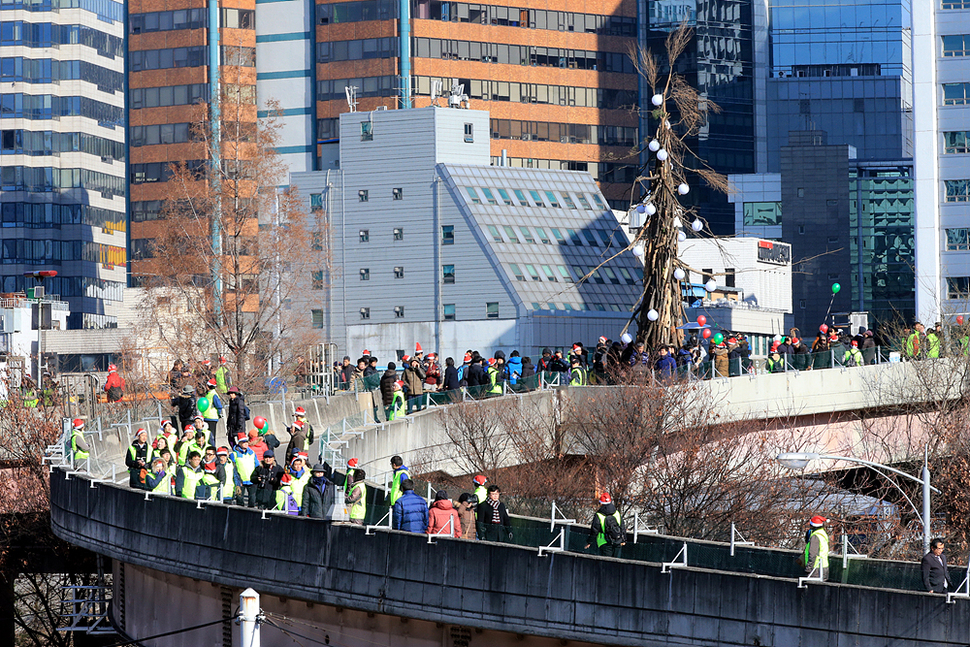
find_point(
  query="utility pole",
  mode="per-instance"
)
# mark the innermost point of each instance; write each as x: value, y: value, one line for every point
x: 249, y: 618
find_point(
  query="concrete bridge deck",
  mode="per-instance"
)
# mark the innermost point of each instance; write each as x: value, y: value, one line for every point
x: 180, y: 564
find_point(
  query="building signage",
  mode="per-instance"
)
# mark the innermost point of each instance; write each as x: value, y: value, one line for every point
x: 775, y: 253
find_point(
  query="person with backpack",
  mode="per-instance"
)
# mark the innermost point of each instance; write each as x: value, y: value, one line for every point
x: 238, y: 414
x: 607, y: 529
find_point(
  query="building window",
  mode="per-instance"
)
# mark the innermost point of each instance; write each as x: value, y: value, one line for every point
x: 955, y: 143
x: 491, y: 310
x: 365, y: 235
x: 958, y: 287
x: 956, y: 94
x: 957, y: 240
x: 316, y: 201
x: 366, y: 131
x: 956, y: 45
x: 448, y: 273
x: 762, y: 213
x: 364, y: 274
x: 729, y: 277
x: 542, y: 235
x: 398, y: 233
x: 801, y: 229
x: 517, y: 272
x: 531, y: 269
x: 955, y: 4
x: 833, y: 240
x: 362, y: 195
x: 550, y: 276
x: 365, y: 313
x: 469, y: 133
x: 399, y: 312
x: 527, y: 235
x: 511, y: 234
x: 447, y: 235
x: 317, y: 280
x: 497, y: 237
x: 316, y: 319
x: 802, y: 303
x: 449, y: 311
x: 397, y: 194
x: 957, y: 190
x: 399, y: 272
x: 473, y: 194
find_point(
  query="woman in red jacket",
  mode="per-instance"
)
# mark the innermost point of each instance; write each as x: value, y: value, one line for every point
x: 440, y: 513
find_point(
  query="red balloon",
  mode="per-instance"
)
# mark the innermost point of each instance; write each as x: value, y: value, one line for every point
x: 259, y: 422
x: 823, y: 329
x: 706, y: 334
x: 701, y: 320
x: 960, y: 320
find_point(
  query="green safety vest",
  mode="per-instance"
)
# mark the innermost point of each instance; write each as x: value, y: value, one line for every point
x: 912, y: 344
x: 186, y: 448
x: 211, y: 413
x: 165, y: 485
x: 190, y: 481
x: 78, y: 454
x: 397, y: 405
x: 855, y: 355
x: 212, y: 481
x: 965, y: 345
x: 934, y: 343
x: 230, y: 484
x: 221, y: 383
x: 481, y: 493
x: 359, y: 509
x: 577, y: 377
x: 348, y: 484
x: 245, y: 464
x: 298, y: 484
x: 823, y: 549
x: 495, y: 387
x: 399, y: 475
x: 601, y: 535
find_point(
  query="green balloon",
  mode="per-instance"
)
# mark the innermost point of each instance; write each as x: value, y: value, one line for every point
x: 202, y: 404
x: 717, y: 338
x: 835, y: 288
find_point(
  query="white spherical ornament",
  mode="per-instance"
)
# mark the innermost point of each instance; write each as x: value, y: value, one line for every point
x: 776, y: 338
x: 683, y: 189
x: 654, y: 146
x: 626, y: 338
x: 681, y: 236
x: 711, y: 285
x: 653, y: 315
x: 677, y: 223
x: 657, y: 100
x: 638, y: 251
x: 662, y: 155
x: 667, y: 124
x: 651, y: 209
x: 697, y: 225
x: 679, y: 274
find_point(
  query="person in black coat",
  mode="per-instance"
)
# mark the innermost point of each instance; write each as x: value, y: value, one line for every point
x: 450, y: 381
x: 936, y: 578
x: 492, y: 518
x: 266, y: 478
x: 185, y: 402
x: 476, y: 372
x: 318, y: 493
x: 387, y: 384
x: 238, y: 415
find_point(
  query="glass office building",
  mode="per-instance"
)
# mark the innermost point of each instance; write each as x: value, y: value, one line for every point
x: 62, y: 170
x: 843, y: 67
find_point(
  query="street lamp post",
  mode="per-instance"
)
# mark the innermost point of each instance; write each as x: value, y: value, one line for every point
x: 800, y: 460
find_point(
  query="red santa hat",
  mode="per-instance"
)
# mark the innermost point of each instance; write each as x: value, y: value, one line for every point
x: 417, y: 348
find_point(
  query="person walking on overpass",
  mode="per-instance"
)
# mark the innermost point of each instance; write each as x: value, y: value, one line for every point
x: 493, y: 519
x: 936, y: 578
x: 356, y: 498
x: 401, y: 473
x: 410, y: 510
x: 817, y: 549
x: 607, y: 529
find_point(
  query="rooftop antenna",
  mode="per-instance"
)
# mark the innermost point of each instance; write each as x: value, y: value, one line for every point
x: 458, y: 96
x: 351, y: 92
x: 435, y: 91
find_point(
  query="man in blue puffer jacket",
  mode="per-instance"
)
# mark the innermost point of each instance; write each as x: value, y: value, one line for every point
x: 513, y: 368
x: 410, y: 510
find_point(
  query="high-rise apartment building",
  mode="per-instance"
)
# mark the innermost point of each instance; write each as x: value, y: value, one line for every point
x: 941, y: 47
x: 173, y: 54
x: 62, y: 170
x: 557, y: 81
x: 843, y: 67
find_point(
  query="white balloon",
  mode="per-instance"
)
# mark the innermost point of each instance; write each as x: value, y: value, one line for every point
x: 654, y: 146
x: 661, y: 155
x: 651, y: 209
x: 626, y: 338
x: 683, y: 189
x: 667, y: 124
x: 697, y: 225
x: 657, y: 100
x: 677, y: 223
x: 776, y: 338
x: 679, y: 274
x: 681, y: 236
x: 653, y: 315
x: 638, y: 251
x: 711, y: 285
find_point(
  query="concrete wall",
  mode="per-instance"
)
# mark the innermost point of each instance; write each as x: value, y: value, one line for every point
x: 493, y: 587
